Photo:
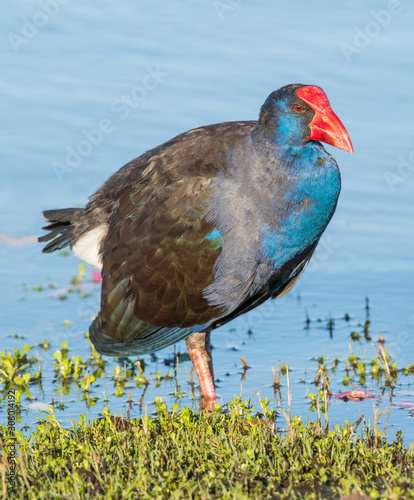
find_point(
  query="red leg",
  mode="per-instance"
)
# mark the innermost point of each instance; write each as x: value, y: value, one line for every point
x: 199, y: 349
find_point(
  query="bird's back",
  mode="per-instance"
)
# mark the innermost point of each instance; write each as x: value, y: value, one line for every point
x: 189, y: 236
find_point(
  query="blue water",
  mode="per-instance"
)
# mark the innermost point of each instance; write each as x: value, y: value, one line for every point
x: 143, y: 72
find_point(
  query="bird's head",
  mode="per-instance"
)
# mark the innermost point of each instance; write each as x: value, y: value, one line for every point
x: 298, y: 113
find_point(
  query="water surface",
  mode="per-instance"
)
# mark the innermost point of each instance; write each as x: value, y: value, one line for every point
x: 86, y: 66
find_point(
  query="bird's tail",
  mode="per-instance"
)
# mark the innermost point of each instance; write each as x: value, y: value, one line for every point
x: 60, y: 228
x: 153, y: 340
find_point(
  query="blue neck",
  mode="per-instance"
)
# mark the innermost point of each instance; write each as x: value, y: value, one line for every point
x: 309, y: 201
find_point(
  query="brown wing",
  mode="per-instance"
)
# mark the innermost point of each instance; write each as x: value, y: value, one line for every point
x: 160, y: 249
x: 157, y: 249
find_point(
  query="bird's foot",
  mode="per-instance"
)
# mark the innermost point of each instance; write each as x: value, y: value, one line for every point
x: 207, y: 404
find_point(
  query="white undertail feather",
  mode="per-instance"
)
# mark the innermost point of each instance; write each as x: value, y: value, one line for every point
x: 87, y: 247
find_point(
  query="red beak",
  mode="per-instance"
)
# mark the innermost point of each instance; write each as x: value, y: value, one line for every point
x: 325, y: 126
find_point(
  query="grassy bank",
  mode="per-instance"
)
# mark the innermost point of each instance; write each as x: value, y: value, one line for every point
x: 227, y: 454
x: 231, y: 453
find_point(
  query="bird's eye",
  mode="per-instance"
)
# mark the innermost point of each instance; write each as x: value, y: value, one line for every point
x: 299, y: 108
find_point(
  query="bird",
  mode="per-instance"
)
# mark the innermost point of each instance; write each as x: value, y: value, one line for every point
x: 207, y: 226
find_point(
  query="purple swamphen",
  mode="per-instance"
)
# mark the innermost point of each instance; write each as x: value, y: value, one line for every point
x: 207, y: 226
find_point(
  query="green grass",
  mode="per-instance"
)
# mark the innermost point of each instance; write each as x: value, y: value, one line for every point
x: 227, y: 454
x: 231, y: 453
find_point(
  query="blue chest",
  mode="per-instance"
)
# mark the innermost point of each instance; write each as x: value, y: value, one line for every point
x: 306, y: 207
